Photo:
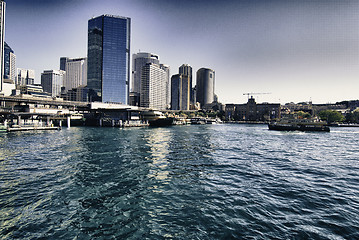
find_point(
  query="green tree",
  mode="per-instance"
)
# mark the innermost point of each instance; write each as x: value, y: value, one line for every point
x: 331, y: 116
x: 303, y: 114
x: 352, y: 117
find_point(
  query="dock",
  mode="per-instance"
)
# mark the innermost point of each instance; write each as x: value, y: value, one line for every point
x: 28, y: 128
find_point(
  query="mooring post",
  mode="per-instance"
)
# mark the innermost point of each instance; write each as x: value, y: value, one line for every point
x: 68, y: 121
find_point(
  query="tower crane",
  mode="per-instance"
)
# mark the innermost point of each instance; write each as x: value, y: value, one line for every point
x: 251, y: 94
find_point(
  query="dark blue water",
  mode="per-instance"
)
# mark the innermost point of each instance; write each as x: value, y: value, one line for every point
x: 181, y: 182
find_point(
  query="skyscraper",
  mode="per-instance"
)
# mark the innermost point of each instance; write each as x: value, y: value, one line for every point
x: 186, y: 70
x: 9, y: 63
x: 180, y: 92
x: 76, y: 72
x: 166, y: 68
x: 108, y: 74
x: 2, y: 38
x: 138, y: 61
x: 153, y: 87
x: 205, y: 86
x: 25, y: 77
x: 52, y: 81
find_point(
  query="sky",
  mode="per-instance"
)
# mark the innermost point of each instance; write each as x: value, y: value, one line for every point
x: 294, y: 51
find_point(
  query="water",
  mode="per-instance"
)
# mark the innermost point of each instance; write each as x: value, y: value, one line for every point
x: 181, y: 182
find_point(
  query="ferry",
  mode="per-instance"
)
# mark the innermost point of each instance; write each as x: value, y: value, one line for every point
x: 157, y: 119
x: 303, y: 125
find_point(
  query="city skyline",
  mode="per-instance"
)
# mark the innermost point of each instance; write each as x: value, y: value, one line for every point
x: 296, y: 50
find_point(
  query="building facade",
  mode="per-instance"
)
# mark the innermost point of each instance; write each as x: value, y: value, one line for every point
x: 153, y: 87
x: 78, y: 94
x: 180, y: 92
x: 167, y: 78
x: 52, y: 81
x: 138, y: 61
x: 9, y: 64
x: 25, y: 77
x: 76, y: 72
x: 108, y: 73
x: 186, y: 70
x: 251, y: 111
x: 2, y: 41
x: 205, y: 86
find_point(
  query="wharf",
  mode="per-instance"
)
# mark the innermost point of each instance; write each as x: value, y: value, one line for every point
x: 135, y: 125
x: 17, y: 129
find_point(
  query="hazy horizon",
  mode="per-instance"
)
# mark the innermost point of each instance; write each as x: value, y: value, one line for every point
x: 296, y: 50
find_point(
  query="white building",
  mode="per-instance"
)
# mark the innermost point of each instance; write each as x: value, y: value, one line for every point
x: 76, y: 73
x: 13, y: 66
x: 52, y: 81
x: 166, y: 68
x: 25, y: 77
x: 153, y: 87
x: 138, y: 61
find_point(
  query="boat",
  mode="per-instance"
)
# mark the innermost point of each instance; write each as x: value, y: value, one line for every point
x: 198, y: 120
x: 161, y: 122
x: 3, y: 128
x: 304, y: 125
x: 157, y: 119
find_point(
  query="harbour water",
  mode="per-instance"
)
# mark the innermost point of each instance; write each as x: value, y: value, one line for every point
x: 224, y: 181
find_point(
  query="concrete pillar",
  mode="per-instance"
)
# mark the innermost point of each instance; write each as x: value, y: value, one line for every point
x: 68, y: 121
x: 18, y: 120
x: 60, y: 123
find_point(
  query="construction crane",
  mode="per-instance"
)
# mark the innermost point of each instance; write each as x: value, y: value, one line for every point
x: 251, y: 94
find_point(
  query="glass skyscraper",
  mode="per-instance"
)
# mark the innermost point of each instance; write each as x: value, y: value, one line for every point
x: 2, y: 37
x: 108, y: 71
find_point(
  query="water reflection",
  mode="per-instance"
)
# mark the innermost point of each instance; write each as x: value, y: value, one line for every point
x: 158, y: 140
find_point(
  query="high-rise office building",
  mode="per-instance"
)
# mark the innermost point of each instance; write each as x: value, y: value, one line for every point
x: 205, y: 86
x: 9, y: 63
x: 153, y: 87
x: 166, y: 68
x: 180, y: 92
x: 138, y: 61
x: 186, y: 70
x: 2, y: 40
x: 25, y: 77
x: 108, y: 74
x: 52, y: 81
x: 76, y: 72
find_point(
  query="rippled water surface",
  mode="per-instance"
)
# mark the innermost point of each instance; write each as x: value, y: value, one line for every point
x: 181, y: 182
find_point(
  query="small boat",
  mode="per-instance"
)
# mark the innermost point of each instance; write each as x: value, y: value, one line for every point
x: 198, y: 120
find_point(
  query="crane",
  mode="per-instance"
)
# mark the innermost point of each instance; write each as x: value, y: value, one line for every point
x: 251, y: 94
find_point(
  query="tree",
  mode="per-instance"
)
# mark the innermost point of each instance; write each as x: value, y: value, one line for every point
x: 331, y: 116
x: 302, y: 114
x: 352, y: 117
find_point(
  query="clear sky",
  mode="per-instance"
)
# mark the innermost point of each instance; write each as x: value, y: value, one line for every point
x: 296, y: 50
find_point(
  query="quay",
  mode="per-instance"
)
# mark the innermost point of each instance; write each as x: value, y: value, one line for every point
x: 20, y: 128
x: 34, y: 113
